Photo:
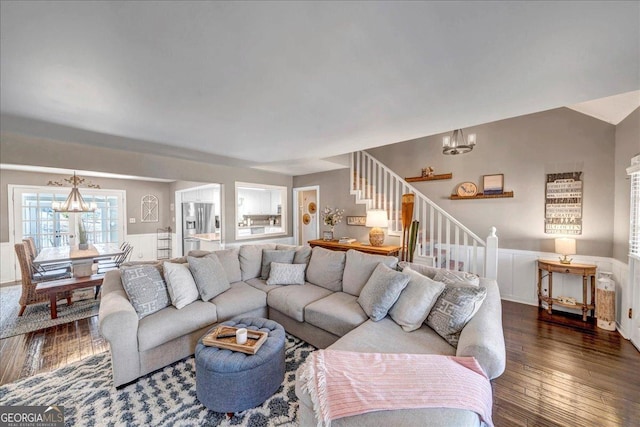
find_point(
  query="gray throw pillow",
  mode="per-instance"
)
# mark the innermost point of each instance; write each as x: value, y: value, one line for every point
x: 209, y: 275
x: 381, y: 291
x: 145, y: 288
x: 326, y: 268
x: 180, y: 284
x: 303, y: 253
x: 455, y: 306
x: 415, y: 301
x: 286, y: 274
x: 456, y: 278
x: 358, y: 268
x: 272, y: 255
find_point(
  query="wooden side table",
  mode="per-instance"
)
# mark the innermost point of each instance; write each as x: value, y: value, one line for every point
x: 334, y: 245
x: 584, y: 270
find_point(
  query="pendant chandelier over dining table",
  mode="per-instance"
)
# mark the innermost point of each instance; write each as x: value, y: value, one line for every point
x: 457, y: 143
x: 74, y: 202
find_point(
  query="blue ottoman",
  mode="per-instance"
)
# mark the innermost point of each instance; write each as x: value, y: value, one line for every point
x: 232, y: 381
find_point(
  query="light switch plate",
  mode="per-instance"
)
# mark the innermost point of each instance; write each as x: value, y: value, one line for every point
x: 132, y: 220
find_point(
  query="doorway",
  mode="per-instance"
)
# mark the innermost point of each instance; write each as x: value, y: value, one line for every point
x: 306, y: 201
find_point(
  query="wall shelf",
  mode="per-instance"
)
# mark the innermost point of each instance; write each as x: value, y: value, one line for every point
x: 163, y: 246
x: 429, y: 178
x: 483, y: 196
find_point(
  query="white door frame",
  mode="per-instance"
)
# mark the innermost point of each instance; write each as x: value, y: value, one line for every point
x: 297, y: 206
x: 12, y: 189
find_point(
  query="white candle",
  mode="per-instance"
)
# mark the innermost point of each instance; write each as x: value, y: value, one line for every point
x: 241, y: 336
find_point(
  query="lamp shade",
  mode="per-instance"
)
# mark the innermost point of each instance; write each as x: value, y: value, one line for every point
x: 377, y: 218
x: 565, y: 246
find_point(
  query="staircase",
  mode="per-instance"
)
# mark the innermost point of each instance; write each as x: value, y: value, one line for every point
x: 442, y: 240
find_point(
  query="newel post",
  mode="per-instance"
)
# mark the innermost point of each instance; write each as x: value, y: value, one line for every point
x: 491, y: 255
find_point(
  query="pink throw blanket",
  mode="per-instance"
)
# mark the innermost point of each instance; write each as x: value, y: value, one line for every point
x: 343, y: 383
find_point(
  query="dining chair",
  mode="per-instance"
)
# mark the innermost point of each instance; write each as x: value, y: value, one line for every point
x: 45, y: 271
x: 114, y: 264
x: 29, y: 295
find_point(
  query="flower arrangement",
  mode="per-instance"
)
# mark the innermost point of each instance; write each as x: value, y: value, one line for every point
x: 331, y: 217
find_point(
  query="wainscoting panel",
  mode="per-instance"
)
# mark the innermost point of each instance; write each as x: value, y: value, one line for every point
x: 8, y: 263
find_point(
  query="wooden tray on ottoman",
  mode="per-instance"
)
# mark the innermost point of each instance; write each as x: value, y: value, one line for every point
x: 225, y: 337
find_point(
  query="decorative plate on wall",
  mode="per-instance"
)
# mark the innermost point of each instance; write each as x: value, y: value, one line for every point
x: 312, y: 207
x: 306, y: 219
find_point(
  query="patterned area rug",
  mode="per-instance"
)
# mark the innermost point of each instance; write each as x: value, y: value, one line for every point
x: 38, y: 316
x: 164, y: 398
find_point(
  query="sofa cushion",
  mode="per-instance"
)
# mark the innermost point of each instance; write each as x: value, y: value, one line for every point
x: 303, y: 253
x: 291, y: 300
x: 386, y: 336
x: 240, y: 298
x: 261, y: 284
x: 274, y: 255
x: 171, y: 323
x: 209, y: 275
x: 326, y: 268
x: 425, y: 270
x: 381, y: 291
x: 415, y: 301
x: 251, y: 259
x: 229, y: 260
x: 145, y: 288
x: 286, y: 274
x: 358, y: 268
x: 180, y: 284
x: 455, y: 306
x: 337, y: 313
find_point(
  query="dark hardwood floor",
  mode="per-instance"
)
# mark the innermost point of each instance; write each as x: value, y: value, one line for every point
x: 560, y: 371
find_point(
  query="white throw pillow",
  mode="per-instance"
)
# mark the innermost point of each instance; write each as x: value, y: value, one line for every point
x: 416, y: 300
x: 180, y: 284
x: 286, y: 274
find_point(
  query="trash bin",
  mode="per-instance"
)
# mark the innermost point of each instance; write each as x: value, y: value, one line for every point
x: 606, y: 301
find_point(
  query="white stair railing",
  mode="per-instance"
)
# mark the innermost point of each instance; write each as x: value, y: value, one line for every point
x: 442, y: 239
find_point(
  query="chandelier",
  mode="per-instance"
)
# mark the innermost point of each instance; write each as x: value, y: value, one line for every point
x: 457, y: 143
x: 74, y: 202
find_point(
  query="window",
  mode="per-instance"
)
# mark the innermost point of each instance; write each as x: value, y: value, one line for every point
x: 34, y: 216
x: 260, y: 210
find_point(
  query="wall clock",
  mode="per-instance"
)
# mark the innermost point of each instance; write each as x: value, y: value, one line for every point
x: 467, y: 189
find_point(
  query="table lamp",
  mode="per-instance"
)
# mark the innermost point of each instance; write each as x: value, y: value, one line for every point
x: 565, y: 246
x: 376, y: 218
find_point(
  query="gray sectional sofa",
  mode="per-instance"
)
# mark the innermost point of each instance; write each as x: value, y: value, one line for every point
x: 323, y: 312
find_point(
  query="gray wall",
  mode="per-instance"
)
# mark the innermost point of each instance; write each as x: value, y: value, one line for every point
x: 524, y: 149
x: 627, y: 146
x: 135, y: 191
x: 26, y: 150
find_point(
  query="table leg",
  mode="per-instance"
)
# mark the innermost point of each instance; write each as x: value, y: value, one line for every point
x: 539, y: 288
x: 593, y: 295
x: 584, y: 298
x: 550, y: 301
x: 54, y: 305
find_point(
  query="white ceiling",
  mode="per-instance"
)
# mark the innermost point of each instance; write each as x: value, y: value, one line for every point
x: 279, y: 85
x: 611, y: 109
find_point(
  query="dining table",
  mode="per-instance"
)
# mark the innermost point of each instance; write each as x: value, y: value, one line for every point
x: 81, y: 259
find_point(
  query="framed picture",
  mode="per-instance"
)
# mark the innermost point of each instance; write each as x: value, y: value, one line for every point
x: 327, y: 235
x: 312, y: 207
x: 356, y: 220
x: 493, y: 184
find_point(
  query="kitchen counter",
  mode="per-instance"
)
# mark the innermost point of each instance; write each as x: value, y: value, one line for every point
x: 209, y: 237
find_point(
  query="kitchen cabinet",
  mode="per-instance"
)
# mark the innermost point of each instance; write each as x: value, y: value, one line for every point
x: 200, y: 195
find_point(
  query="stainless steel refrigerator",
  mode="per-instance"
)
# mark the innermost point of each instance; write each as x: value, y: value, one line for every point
x: 197, y: 218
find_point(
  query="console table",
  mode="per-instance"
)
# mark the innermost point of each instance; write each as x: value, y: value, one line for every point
x: 334, y: 245
x: 584, y: 270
